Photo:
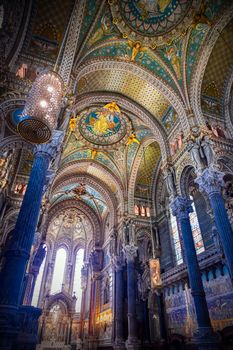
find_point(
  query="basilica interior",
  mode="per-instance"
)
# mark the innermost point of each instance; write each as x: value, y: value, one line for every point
x: 116, y: 174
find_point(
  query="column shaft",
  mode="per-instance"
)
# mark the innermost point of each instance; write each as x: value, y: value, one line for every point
x: 119, y: 306
x: 197, y: 290
x: 224, y: 227
x: 18, y: 252
x: 132, y: 321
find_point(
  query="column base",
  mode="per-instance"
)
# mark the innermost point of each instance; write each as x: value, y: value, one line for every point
x: 119, y: 345
x: 9, y: 326
x: 132, y: 344
x: 205, y: 338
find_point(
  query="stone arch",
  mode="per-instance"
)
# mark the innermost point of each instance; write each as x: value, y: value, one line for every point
x: 83, y: 208
x: 228, y: 102
x: 110, y: 64
x: 195, y: 91
x: 72, y: 168
x: 97, y: 184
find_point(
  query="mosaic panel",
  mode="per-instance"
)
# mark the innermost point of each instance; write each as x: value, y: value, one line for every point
x: 146, y: 58
x: 49, y: 26
x: 129, y: 85
x: 146, y: 169
x: 153, y: 22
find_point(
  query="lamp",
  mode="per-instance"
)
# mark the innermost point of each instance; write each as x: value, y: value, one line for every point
x: 39, y: 116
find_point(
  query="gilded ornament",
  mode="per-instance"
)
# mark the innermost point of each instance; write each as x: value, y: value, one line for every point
x: 132, y: 138
x: 200, y: 17
x: 136, y: 48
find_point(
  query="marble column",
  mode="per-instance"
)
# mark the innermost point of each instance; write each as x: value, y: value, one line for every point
x: 119, y: 302
x: 204, y: 337
x: 146, y: 326
x: 211, y: 182
x: 132, y: 342
x: 18, y: 251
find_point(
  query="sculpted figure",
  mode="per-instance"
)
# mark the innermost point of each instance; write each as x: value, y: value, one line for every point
x: 207, y: 147
x: 194, y: 150
x: 170, y: 181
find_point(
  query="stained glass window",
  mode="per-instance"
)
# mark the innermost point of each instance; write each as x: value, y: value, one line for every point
x: 77, y: 279
x: 58, y: 272
x: 197, y: 237
x: 176, y: 239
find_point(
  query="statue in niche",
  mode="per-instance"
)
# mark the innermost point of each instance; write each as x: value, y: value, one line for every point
x: 170, y: 181
x: 208, y: 152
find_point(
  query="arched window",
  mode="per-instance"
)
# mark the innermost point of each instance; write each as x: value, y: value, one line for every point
x: 58, y: 272
x: 77, y: 279
x: 37, y: 287
x: 176, y: 239
x: 197, y: 237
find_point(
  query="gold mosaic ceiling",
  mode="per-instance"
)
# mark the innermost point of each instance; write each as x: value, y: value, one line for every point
x: 220, y: 59
x: 147, y: 166
x: 126, y: 84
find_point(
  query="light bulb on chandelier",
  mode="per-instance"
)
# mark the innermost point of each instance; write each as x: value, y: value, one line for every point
x: 39, y: 117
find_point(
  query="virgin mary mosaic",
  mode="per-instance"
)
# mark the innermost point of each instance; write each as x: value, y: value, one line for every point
x: 104, y: 127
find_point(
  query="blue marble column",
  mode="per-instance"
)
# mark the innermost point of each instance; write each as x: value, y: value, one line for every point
x: 119, y: 302
x: 132, y: 343
x: 18, y: 251
x: 181, y: 207
x: 211, y: 182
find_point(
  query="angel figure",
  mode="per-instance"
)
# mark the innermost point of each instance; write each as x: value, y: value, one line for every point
x: 132, y: 138
x: 136, y: 48
x: 200, y: 16
x: 173, y: 56
x: 93, y: 153
x: 73, y: 124
x: 113, y: 107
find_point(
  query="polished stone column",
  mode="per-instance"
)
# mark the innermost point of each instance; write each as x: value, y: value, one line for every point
x: 146, y: 326
x: 130, y: 252
x: 18, y: 250
x: 181, y: 207
x: 211, y: 182
x: 119, y: 302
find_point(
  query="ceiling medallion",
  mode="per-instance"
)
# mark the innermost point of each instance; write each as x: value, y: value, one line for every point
x: 154, y: 23
x: 104, y: 127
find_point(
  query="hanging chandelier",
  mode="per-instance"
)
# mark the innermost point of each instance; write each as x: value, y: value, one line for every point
x: 39, y: 116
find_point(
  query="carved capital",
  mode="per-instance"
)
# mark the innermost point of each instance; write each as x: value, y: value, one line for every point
x: 52, y: 148
x: 117, y: 262
x: 130, y: 252
x: 181, y: 207
x: 211, y: 181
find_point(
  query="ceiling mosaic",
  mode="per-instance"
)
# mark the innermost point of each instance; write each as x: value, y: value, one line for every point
x: 153, y: 23
x: 129, y: 85
x: 72, y: 224
x: 146, y: 169
x: 103, y: 128
x: 104, y: 29
x: 217, y: 70
x: 49, y: 26
x: 81, y: 192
